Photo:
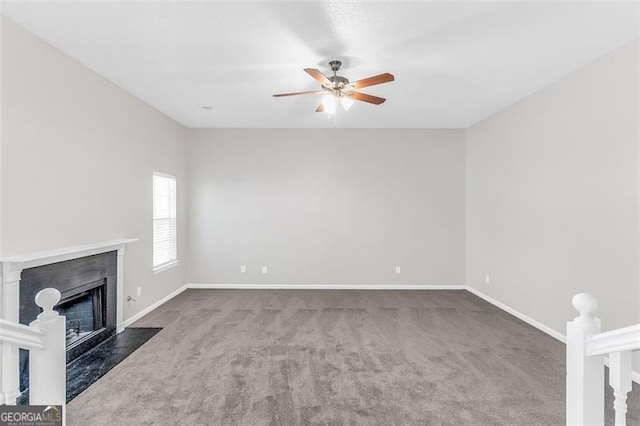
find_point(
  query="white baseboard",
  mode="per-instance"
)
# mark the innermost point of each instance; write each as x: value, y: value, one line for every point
x: 149, y: 308
x: 327, y: 286
x: 551, y: 332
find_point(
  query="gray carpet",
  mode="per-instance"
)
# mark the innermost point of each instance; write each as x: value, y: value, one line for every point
x: 293, y: 357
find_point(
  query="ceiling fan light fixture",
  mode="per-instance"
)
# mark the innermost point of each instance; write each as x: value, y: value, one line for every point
x: 329, y: 103
x: 338, y: 87
x: 346, y: 102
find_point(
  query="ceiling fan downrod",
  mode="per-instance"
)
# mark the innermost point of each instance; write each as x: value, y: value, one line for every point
x: 337, y: 81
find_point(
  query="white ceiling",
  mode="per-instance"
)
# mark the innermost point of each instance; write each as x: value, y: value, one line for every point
x: 455, y: 63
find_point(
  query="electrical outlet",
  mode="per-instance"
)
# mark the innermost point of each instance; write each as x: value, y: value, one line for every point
x: 264, y: 270
x: 487, y: 279
x: 398, y: 270
x: 139, y: 291
x: 243, y: 269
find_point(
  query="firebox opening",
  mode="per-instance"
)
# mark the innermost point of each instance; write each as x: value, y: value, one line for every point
x: 85, y: 313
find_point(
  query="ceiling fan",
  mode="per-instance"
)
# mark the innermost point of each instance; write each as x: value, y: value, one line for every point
x: 338, y: 87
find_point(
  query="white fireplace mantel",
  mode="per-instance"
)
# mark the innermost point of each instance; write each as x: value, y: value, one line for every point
x: 12, y: 268
x: 32, y: 260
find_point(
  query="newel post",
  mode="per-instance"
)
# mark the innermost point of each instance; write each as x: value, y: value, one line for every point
x: 47, y: 367
x: 585, y: 375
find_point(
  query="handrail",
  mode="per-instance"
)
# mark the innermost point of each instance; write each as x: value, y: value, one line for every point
x: 586, y: 350
x: 622, y: 339
x: 20, y: 335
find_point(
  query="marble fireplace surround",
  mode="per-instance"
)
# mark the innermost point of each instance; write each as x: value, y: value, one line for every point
x: 12, y: 268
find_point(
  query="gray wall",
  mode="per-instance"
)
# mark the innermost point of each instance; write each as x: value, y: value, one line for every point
x: 551, y: 182
x: 552, y: 196
x: 326, y: 206
x: 77, y: 160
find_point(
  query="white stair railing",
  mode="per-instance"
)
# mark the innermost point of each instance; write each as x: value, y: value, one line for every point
x: 45, y: 339
x: 586, y: 351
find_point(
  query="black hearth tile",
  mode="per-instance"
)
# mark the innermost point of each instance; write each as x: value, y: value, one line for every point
x: 88, y: 368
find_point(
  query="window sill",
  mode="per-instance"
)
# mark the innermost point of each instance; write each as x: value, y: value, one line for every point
x: 165, y: 266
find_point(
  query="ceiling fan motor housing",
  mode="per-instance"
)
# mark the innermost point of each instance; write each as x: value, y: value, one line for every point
x: 338, y: 81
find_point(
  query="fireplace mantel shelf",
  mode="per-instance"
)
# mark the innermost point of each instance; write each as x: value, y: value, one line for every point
x: 59, y: 255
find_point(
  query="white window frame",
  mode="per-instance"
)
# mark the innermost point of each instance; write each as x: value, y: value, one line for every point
x: 171, y: 262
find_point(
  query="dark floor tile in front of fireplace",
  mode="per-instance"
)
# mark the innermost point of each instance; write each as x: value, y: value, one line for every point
x: 87, y: 369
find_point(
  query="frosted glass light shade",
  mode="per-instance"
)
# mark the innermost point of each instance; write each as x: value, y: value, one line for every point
x: 346, y: 102
x: 329, y: 103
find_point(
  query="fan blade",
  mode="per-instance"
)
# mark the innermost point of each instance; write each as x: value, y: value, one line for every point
x: 318, y: 76
x: 366, y: 98
x: 312, y: 92
x: 378, y: 79
x: 320, y: 108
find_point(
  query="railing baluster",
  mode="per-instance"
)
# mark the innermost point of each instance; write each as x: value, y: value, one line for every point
x: 620, y: 381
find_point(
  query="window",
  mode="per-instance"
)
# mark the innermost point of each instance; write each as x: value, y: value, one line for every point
x: 165, y: 247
